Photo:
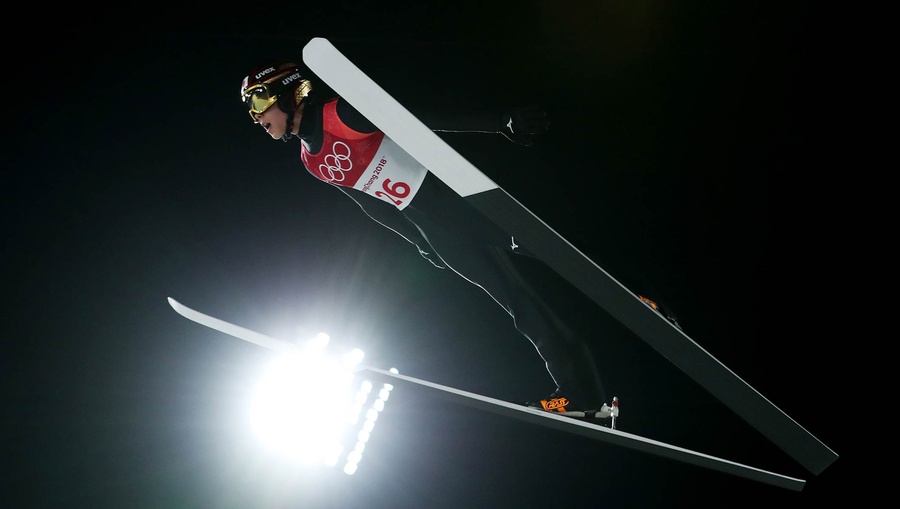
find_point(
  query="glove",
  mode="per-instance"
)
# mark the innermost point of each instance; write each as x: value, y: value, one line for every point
x: 433, y: 258
x: 524, y: 124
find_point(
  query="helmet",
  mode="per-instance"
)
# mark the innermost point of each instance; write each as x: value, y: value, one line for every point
x: 278, y: 83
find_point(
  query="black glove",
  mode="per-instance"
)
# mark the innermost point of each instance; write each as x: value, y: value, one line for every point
x: 524, y: 124
x: 433, y: 258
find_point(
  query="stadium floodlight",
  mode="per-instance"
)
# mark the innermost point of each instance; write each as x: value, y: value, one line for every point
x: 310, y: 404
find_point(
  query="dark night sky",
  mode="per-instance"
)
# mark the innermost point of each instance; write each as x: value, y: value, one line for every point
x: 683, y: 148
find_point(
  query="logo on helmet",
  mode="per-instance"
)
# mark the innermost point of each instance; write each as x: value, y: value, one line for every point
x: 263, y: 73
x: 292, y: 77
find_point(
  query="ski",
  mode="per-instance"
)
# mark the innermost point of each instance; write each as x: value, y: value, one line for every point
x: 342, y: 75
x: 521, y: 412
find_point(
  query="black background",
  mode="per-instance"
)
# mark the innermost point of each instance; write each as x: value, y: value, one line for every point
x: 684, y: 157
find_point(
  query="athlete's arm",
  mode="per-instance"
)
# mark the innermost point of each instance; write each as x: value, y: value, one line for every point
x: 520, y: 125
x: 353, y: 118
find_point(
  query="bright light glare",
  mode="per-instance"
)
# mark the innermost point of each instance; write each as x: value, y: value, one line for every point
x: 301, y: 404
x: 354, y: 357
x: 307, y: 400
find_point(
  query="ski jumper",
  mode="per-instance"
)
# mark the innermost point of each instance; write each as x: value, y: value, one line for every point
x: 341, y: 147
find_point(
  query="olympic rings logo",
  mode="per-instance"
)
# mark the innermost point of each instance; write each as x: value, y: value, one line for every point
x: 337, y: 163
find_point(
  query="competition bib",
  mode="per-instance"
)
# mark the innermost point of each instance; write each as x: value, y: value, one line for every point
x: 369, y: 162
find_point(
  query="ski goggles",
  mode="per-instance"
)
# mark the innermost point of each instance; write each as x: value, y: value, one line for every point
x: 258, y: 99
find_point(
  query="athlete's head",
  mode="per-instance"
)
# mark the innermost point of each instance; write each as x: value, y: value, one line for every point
x: 279, y: 84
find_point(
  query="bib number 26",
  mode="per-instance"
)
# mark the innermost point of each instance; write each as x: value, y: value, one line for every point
x: 393, y: 192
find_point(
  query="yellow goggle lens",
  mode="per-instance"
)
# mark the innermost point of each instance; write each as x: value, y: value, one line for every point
x: 258, y: 100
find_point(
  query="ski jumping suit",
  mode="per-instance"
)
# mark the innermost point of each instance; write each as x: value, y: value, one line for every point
x: 343, y: 148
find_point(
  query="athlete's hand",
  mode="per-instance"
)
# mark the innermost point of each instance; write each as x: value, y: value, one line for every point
x: 524, y: 124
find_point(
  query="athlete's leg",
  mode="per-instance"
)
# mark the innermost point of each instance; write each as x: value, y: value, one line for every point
x: 483, y: 254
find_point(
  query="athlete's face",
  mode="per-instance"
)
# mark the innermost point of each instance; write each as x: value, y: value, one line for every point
x: 274, y: 121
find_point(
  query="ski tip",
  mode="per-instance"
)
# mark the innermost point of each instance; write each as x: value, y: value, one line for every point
x: 174, y: 303
x: 315, y: 42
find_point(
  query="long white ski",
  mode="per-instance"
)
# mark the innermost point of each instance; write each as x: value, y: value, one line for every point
x: 520, y: 412
x: 412, y: 135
